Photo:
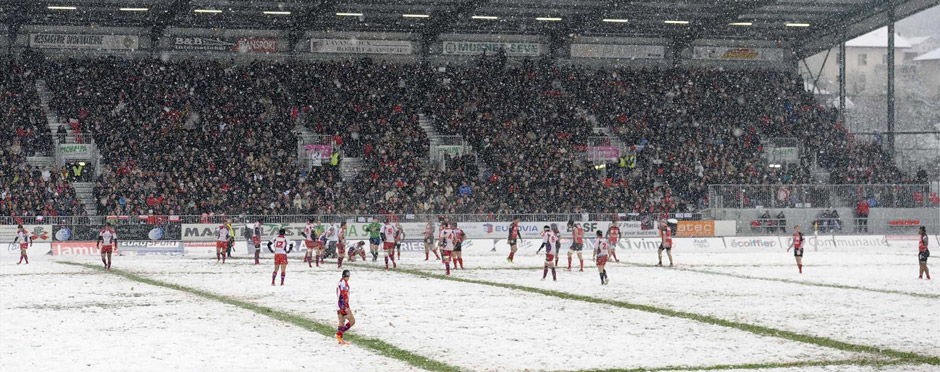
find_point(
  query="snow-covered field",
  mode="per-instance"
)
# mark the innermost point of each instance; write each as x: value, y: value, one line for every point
x: 54, y: 315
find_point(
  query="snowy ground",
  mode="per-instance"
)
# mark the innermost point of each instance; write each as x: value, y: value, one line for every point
x: 471, y: 326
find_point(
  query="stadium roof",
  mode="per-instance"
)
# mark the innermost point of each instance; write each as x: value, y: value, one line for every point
x: 878, y: 39
x: 932, y: 55
x: 795, y: 21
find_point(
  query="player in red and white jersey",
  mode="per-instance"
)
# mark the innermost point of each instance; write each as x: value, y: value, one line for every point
x: 429, y: 245
x: 280, y: 246
x: 797, y: 245
x: 256, y: 231
x: 310, y: 241
x: 601, y: 250
x: 22, y: 237
x: 513, y: 239
x: 447, y: 245
x: 388, y: 243
x: 550, y: 242
x: 107, y: 239
x: 665, y: 244
x: 399, y: 237
x: 613, y: 237
x: 577, y: 243
x: 221, y: 245
x: 344, y: 314
x: 459, y: 238
x: 341, y: 245
x: 923, y: 252
x: 359, y: 249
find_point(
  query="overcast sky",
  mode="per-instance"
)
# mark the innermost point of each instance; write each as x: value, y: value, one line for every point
x: 921, y: 24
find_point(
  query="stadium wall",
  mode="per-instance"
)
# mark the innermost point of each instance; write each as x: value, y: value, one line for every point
x: 879, y: 219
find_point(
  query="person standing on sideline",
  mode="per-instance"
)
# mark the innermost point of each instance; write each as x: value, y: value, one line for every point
x: 861, y: 216
x: 797, y: 245
x: 923, y: 253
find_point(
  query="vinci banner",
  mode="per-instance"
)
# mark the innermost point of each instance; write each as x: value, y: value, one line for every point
x: 356, y: 46
x: 617, y: 51
x: 84, y: 41
x: 737, y: 54
x: 479, y: 47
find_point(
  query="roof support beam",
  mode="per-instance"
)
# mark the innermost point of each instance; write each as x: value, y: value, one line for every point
x: 164, y: 17
x: 441, y: 20
x: 310, y: 19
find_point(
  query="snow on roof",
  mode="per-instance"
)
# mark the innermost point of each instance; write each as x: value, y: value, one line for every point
x: 929, y: 56
x: 916, y: 40
x: 878, y: 39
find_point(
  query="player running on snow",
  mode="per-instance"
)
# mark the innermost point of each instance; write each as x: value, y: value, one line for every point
x: 797, y: 245
x: 923, y: 253
x: 344, y: 314
x: 577, y: 243
x: 388, y: 243
x: 107, y: 239
x: 429, y: 245
x: 22, y: 237
x: 601, y: 248
x: 613, y: 237
x: 280, y: 246
x: 549, y: 241
x: 513, y: 239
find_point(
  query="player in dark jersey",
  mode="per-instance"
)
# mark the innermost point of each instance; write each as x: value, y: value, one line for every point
x: 797, y: 245
x: 256, y: 231
x: 429, y: 245
x: 665, y: 244
x: 613, y: 237
x: 344, y: 314
x: 557, y: 243
x: 459, y: 238
x: 513, y: 239
x: 923, y: 253
x: 577, y: 243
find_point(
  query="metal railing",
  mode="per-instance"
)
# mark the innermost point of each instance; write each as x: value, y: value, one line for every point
x: 301, y: 218
x: 75, y: 138
x: 818, y: 196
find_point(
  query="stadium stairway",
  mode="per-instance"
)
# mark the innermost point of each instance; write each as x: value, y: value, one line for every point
x: 45, y: 96
x: 85, y: 191
x: 350, y: 167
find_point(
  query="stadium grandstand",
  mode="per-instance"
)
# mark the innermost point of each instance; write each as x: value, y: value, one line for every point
x: 171, y: 128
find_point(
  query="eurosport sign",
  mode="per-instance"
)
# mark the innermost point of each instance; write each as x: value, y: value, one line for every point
x: 357, y: 46
x: 737, y: 54
x: 145, y: 248
x: 83, y: 41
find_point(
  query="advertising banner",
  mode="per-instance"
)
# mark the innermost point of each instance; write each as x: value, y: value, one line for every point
x: 737, y: 54
x: 354, y: 231
x: 37, y: 233
x: 695, y: 228
x: 36, y: 251
x: 861, y: 242
x: 74, y: 149
x: 83, y: 41
x: 698, y: 244
x: 124, y: 232
x: 783, y: 154
x: 324, y: 151
x: 357, y: 46
x: 512, y: 49
x: 609, y: 153
x: 85, y: 248
x: 754, y: 243
x: 151, y: 248
x: 240, y: 45
x: 618, y: 51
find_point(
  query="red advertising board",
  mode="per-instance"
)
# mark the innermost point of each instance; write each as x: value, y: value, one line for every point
x: 256, y: 45
x: 75, y: 249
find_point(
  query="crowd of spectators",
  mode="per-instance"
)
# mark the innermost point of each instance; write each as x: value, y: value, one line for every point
x: 197, y: 136
x: 35, y: 191
x: 24, y: 126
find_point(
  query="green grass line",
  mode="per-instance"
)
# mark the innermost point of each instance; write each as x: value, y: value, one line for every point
x: 380, y: 347
x: 816, y: 363
x: 906, y: 357
x: 791, y: 281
